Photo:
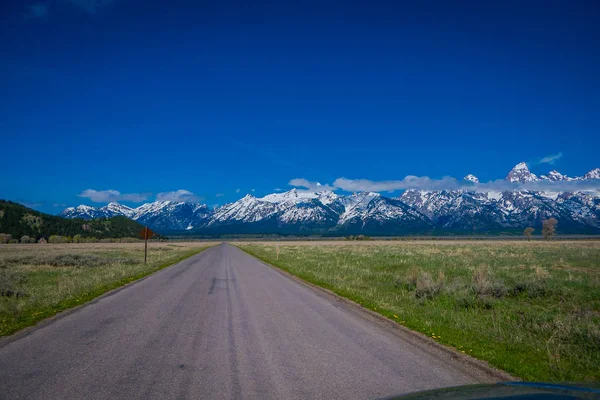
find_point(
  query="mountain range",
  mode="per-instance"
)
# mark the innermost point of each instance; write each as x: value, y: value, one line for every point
x: 414, y: 212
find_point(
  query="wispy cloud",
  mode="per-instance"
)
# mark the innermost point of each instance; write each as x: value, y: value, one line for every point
x: 178, y: 195
x: 409, y: 182
x: 32, y: 205
x: 237, y: 190
x: 106, y: 196
x: 89, y: 6
x: 219, y: 194
x: 305, y: 183
x: 549, y: 159
x: 277, y: 189
x: 59, y: 205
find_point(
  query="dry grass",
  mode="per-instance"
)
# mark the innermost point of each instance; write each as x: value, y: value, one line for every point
x: 37, y: 281
x: 531, y: 308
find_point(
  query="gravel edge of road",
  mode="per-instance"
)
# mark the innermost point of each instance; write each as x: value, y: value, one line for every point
x: 6, y: 340
x: 474, y: 366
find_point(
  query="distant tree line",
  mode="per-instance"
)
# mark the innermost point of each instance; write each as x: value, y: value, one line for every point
x: 358, y: 237
x: 21, y: 224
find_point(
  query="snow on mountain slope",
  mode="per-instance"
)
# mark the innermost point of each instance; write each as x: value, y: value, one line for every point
x: 246, y: 209
x: 293, y: 196
x: 464, y: 210
x: 520, y: 173
x: 82, y: 211
x: 171, y: 215
x: 368, y: 207
x: 555, y: 176
x: 593, y: 174
x: 296, y: 196
x: 115, y: 208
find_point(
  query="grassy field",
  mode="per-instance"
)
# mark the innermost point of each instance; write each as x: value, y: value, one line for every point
x: 532, y: 309
x: 37, y: 281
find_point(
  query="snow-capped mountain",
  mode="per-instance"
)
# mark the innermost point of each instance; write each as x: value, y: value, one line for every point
x: 160, y: 215
x: 416, y: 211
x: 115, y: 208
x: 85, y: 212
x: 477, y: 211
x: 556, y: 176
x: 593, y: 174
x: 520, y: 173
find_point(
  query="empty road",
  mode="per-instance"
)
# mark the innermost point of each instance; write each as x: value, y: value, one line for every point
x: 220, y: 325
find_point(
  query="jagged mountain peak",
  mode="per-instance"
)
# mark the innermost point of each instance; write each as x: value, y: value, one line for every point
x: 593, y: 174
x: 118, y: 208
x: 555, y: 176
x: 300, y: 211
x: 295, y: 196
x: 521, y: 174
x: 521, y: 165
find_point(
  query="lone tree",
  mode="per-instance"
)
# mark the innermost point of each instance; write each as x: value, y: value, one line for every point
x: 527, y: 232
x: 549, y: 228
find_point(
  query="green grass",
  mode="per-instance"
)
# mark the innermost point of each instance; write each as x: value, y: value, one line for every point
x: 38, y: 281
x: 532, y: 309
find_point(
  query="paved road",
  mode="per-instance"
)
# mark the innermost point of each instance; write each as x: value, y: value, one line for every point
x: 220, y: 325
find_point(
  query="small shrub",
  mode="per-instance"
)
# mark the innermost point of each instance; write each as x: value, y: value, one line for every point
x: 485, y: 285
x: 412, y: 276
x: 11, y: 282
x: 428, y: 288
x: 25, y: 239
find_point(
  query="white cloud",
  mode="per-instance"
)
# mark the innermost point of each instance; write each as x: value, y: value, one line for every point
x: 106, y: 196
x: 449, y: 183
x: 446, y: 183
x: 305, y: 183
x: 219, y: 194
x: 409, y: 182
x: 237, y: 190
x: 180, y: 195
x: 90, y: 6
x: 37, y: 10
x: 252, y: 190
x: 59, y: 205
x: 550, y: 159
x: 277, y: 189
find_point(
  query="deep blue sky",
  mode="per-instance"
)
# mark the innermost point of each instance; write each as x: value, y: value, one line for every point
x: 156, y: 96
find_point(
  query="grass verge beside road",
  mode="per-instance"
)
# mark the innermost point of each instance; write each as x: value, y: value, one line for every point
x: 531, y: 309
x: 38, y: 281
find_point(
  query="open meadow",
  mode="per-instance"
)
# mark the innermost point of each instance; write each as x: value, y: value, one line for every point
x: 529, y: 308
x: 39, y: 280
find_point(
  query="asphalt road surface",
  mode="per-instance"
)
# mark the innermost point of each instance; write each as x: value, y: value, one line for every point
x: 220, y: 325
